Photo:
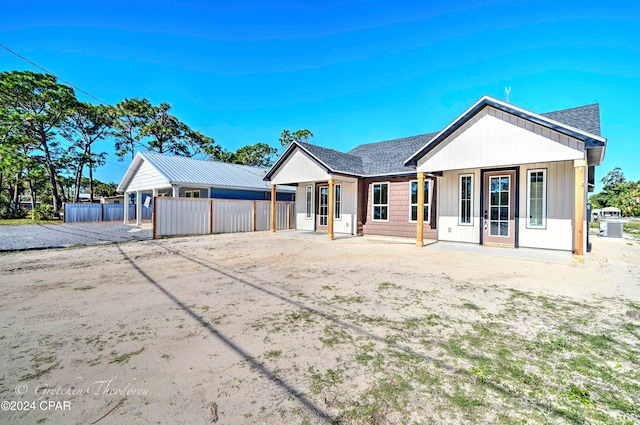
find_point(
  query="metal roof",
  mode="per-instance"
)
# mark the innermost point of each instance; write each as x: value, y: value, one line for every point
x: 180, y: 170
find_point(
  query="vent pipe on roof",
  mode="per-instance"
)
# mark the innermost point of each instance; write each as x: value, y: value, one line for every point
x: 507, y: 90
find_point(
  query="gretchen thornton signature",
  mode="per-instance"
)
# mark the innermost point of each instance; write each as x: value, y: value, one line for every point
x: 80, y: 387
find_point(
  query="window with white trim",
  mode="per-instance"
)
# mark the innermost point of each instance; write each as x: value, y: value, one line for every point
x: 309, y: 203
x: 537, y: 199
x: 337, y: 201
x: 192, y: 194
x: 413, y: 200
x: 380, y: 201
x: 465, y: 196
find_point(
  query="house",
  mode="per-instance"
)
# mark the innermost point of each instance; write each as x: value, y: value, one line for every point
x: 116, y: 199
x: 25, y: 202
x: 610, y: 212
x: 152, y: 174
x: 86, y: 198
x: 496, y: 175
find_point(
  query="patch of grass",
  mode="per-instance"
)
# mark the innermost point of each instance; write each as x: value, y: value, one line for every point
x: 364, y: 358
x: 273, y: 354
x: 330, y: 378
x: 334, y: 336
x: 471, y: 306
x: 215, y: 321
x: 84, y: 288
x: 38, y: 373
x: 632, y: 228
x: 469, y: 406
x: 301, y: 316
x: 27, y: 221
x: 349, y: 299
x: 580, y: 394
x: 124, y: 358
x: 388, y: 285
x: 393, y: 390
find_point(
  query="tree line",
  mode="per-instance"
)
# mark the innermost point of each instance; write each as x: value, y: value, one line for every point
x: 618, y: 192
x: 48, y: 139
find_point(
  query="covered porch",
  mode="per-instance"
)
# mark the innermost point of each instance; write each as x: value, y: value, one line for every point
x: 325, y: 206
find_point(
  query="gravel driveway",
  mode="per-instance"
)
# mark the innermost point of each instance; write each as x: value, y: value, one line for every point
x: 39, y: 236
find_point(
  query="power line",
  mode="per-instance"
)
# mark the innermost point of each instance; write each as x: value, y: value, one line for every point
x: 66, y: 142
x: 119, y: 165
x: 49, y: 72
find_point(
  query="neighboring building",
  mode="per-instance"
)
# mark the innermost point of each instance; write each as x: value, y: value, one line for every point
x: 497, y: 175
x: 86, y: 197
x: 153, y: 174
x: 117, y: 199
x: 25, y: 202
x: 608, y: 212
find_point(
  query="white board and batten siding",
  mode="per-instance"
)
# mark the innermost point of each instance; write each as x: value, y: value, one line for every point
x: 493, y: 138
x: 449, y: 228
x: 557, y: 234
x: 348, y: 220
x: 146, y: 178
x: 346, y: 223
x: 297, y: 168
x: 301, y: 220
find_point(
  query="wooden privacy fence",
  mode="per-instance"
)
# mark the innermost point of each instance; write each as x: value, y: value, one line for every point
x: 80, y: 213
x: 189, y: 216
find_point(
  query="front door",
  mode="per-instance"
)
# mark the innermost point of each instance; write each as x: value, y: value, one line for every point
x: 323, y: 208
x: 499, y: 208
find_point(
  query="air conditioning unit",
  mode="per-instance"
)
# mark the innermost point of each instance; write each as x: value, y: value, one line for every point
x: 611, y: 228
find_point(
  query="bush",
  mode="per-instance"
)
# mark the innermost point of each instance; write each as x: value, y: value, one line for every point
x: 6, y: 212
x: 42, y: 212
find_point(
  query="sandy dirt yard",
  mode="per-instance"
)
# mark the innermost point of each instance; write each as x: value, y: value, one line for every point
x: 263, y: 328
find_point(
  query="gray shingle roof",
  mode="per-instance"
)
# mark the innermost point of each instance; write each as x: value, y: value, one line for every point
x: 388, y: 157
x: 585, y: 117
x: 335, y: 160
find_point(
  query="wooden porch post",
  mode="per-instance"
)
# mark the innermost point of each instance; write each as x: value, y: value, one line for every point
x: 255, y: 215
x: 153, y: 211
x: 420, y: 212
x: 153, y: 217
x: 331, y: 196
x: 126, y: 208
x: 210, y: 215
x: 273, y: 207
x: 138, y: 208
x: 579, y: 166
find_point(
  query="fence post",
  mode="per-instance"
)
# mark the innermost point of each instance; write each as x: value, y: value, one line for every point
x: 155, y: 214
x: 254, y: 216
x: 101, y: 212
x: 210, y: 216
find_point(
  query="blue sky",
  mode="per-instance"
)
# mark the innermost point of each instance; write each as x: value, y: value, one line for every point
x: 352, y: 72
